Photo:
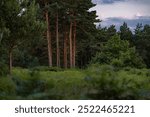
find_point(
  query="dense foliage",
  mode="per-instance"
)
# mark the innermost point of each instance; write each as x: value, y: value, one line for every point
x: 118, y: 53
x: 95, y: 82
x: 71, y: 38
x: 48, y: 48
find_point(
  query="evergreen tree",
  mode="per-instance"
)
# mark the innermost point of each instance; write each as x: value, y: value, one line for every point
x: 142, y: 42
x: 125, y: 33
x: 21, y: 22
x: 111, y: 31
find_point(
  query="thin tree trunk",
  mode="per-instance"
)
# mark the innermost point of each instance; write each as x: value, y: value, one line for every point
x: 70, y: 41
x: 65, y: 49
x: 48, y: 35
x: 57, y: 41
x: 10, y: 61
x: 74, y: 45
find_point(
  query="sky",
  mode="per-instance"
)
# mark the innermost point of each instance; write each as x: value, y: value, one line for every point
x: 118, y: 11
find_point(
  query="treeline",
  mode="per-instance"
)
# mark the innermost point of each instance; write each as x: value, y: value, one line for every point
x: 62, y: 33
x: 123, y: 48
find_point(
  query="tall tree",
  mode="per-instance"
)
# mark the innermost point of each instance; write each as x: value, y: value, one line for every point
x: 57, y: 41
x: 74, y: 44
x: 48, y: 33
x: 65, y: 48
x: 57, y: 6
x: 21, y: 22
x: 70, y: 44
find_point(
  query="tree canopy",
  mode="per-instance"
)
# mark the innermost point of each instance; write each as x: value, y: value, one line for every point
x: 63, y: 33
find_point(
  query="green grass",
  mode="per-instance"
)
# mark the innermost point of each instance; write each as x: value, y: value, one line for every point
x: 95, y: 82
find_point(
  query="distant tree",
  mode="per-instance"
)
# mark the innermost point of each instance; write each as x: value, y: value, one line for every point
x: 111, y: 31
x: 126, y: 33
x: 138, y: 29
x: 117, y: 52
x: 142, y: 42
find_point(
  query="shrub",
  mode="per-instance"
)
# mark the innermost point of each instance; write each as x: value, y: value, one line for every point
x: 3, y: 69
x: 96, y: 82
x: 46, y: 68
x: 7, y: 88
x: 69, y: 84
x: 24, y: 59
x: 31, y: 85
x: 110, y: 84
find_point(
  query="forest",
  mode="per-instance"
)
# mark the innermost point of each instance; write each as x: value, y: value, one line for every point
x: 57, y: 49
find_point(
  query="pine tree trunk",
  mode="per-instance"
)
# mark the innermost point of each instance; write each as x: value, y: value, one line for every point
x: 48, y: 35
x: 10, y: 61
x: 70, y: 41
x: 74, y: 45
x: 65, y: 49
x: 57, y: 42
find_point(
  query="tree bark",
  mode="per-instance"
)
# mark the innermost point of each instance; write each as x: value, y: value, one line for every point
x: 65, y: 49
x: 57, y: 41
x: 48, y: 35
x: 74, y: 45
x: 70, y: 41
x: 10, y: 61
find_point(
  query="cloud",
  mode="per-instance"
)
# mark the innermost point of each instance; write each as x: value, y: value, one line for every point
x: 118, y: 11
x: 117, y: 21
x: 114, y: 1
x: 106, y: 1
x: 127, y: 9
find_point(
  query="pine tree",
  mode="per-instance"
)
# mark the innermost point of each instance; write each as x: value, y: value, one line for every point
x: 125, y: 33
x: 48, y: 33
x: 21, y: 22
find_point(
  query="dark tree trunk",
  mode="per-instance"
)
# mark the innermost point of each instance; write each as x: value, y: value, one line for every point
x: 65, y: 49
x: 70, y: 41
x: 74, y: 45
x: 57, y: 42
x: 10, y: 61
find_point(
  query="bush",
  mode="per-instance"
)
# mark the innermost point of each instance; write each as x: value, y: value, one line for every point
x: 3, y: 69
x: 7, y: 88
x: 110, y: 84
x: 24, y: 59
x: 69, y: 84
x: 96, y: 82
x: 30, y: 84
x: 46, y: 68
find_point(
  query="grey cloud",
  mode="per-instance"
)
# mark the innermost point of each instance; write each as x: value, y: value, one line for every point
x: 131, y: 22
x: 106, y: 1
x: 113, y: 1
x: 142, y: 1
